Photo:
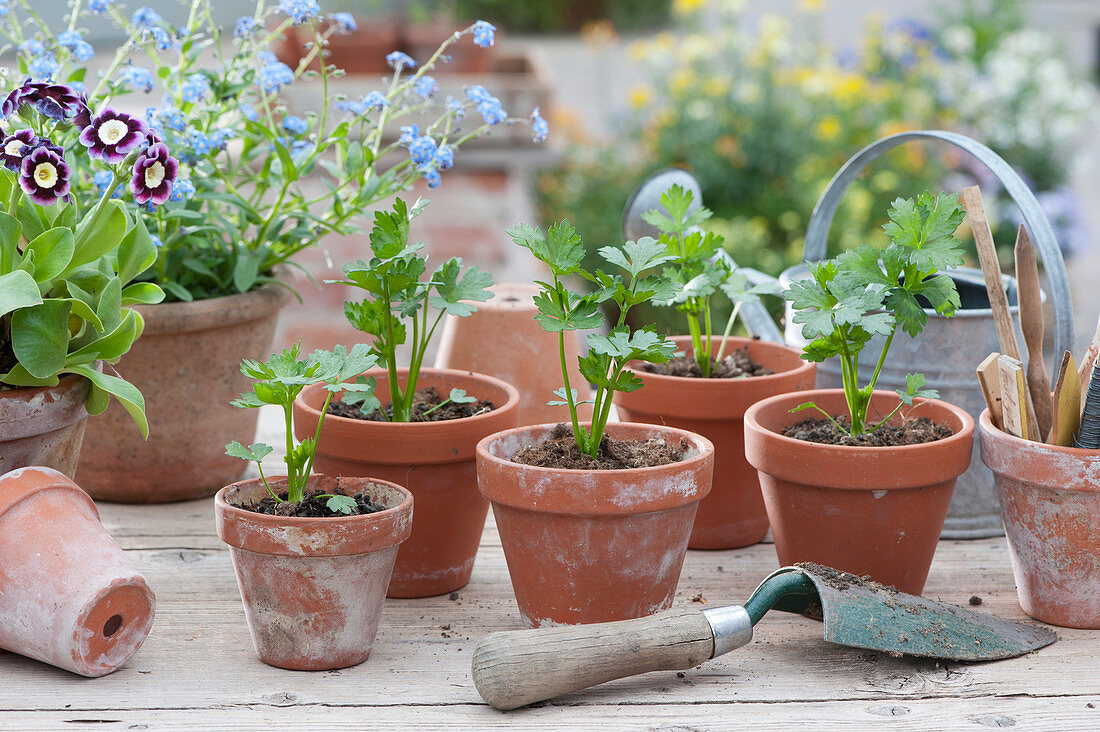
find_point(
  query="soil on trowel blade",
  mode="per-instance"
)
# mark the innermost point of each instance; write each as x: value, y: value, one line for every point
x: 559, y: 450
x: 313, y: 506
x: 423, y: 400
x: 840, y: 580
x: 736, y: 365
x: 913, y: 431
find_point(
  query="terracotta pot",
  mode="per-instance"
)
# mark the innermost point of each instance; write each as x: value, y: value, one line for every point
x: 43, y: 425
x: 593, y: 546
x: 1050, y: 503
x: 187, y: 365
x: 360, y: 52
x: 434, y: 460
x: 865, y: 510
x: 733, y: 515
x: 503, y: 340
x: 69, y: 596
x: 313, y: 588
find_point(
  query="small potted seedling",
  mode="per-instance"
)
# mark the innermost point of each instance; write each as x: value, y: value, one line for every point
x: 707, y: 388
x: 313, y: 554
x: 594, y: 517
x: 424, y: 435
x: 864, y: 485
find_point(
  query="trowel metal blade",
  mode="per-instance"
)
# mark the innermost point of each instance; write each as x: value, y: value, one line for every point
x: 868, y: 615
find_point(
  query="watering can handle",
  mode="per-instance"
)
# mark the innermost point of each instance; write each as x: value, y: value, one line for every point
x: 1042, y: 234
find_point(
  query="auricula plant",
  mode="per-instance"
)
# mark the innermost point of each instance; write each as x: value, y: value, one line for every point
x: 867, y: 291
x: 279, y: 381
x: 697, y: 272
x: 561, y: 310
x: 396, y: 310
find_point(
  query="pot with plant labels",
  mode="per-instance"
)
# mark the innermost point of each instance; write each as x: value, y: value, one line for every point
x: 423, y: 437
x: 867, y: 492
x: 708, y: 389
x: 594, y: 517
x: 313, y: 554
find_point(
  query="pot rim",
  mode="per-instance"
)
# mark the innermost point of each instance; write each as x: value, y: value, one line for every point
x: 347, y: 422
x: 44, y: 479
x: 705, y: 447
x: 986, y: 425
x: 859, y: 451
x: 338, y: 525
x: 588, y: 502
x: 210, y: 313
x: 798, y: 371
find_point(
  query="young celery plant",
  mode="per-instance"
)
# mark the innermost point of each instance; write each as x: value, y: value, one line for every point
x: 560, y: 310
x: 697, y: 272
x: 866, y: 291
x: 395, y: 310
x: 279, y: 381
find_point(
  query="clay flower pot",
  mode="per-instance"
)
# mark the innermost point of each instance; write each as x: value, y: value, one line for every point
x: 434, y: 460
x: 733, y: 515
x: 313, y: 588
x: 1050, y: 503
x: 187, y: 366
x: 502, y: 339
x: 69, y: 596
x: 593, y: 546
x: 865, y: 510
x: 43, y: 425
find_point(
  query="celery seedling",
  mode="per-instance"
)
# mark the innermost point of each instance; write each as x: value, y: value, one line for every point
x: 697, y: 272
x: 560, y: 310
x: 279, y: 381
x: 396, y: 306
x: 866, y: 291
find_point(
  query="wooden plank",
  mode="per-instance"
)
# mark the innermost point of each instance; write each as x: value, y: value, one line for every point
x: 1068, y: 713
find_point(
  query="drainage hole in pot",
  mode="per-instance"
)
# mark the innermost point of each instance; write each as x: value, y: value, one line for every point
x: 112, y: 625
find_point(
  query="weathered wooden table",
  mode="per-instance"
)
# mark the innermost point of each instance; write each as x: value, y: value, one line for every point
x: 197, y: 670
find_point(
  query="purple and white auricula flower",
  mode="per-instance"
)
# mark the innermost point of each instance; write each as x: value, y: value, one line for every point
x: 13, y: 147
x: 44, y: 176
x: 56, y: 101
x: 112, y: 135
x: 154, y: 173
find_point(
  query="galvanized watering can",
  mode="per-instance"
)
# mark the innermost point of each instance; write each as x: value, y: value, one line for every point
x: 949, y: 349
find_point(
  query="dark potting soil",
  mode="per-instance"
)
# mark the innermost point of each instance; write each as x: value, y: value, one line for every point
x: 423, y: 400
x: 913, y: 431
x: 314, y: 506
x: 735, y: 365
x: 560, y: 451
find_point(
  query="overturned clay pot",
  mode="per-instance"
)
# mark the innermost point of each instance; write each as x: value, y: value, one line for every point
x: 69, y: 596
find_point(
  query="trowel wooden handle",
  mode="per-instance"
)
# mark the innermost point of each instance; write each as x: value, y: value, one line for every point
x: 519, y: 667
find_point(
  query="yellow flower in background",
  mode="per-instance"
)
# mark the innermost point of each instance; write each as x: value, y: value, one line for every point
x: 687, y: 7
x: 852, y: 88
x: 811, y: 6
x: 639, y: 50
x: 716, y: 86
x: 681, y: 81
x: 640, y: 95
x: 695, y: 47
x: 828, y: 128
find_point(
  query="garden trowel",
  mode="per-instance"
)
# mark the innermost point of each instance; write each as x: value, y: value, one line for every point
x: 514, y: 668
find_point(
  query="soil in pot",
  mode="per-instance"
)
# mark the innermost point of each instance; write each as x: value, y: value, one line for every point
x: 313, y: 587
x: 865, y: 510
x: 736, y: 365
x: 314, y: 505
x: 915, y: 431
x: 733, y: 514
x: 559, y: 450
x: 425, y: 408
